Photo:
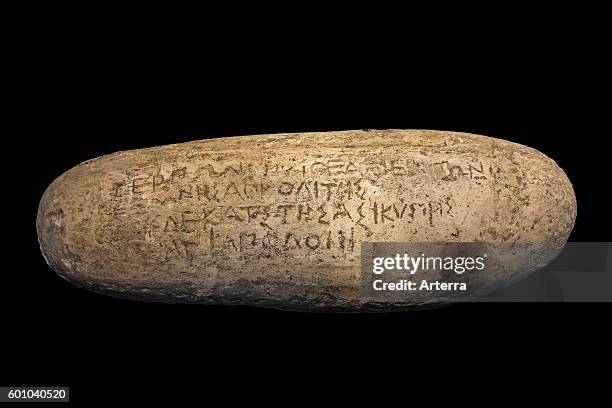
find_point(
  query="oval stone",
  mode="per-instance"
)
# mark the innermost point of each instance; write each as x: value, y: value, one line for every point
x: 278, y: 220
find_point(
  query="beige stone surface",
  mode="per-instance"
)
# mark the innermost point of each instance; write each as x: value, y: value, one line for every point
x: 278, y: 220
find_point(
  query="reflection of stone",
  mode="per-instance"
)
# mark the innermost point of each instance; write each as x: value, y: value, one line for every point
x: 278, y: 220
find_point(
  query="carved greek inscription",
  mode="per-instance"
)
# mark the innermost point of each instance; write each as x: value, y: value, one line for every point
x: 454, y: 171
x: 362, y: 216
x: 295, y: 204
x: 312, y: 180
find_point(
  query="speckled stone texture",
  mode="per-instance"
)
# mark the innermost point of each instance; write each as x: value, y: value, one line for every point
x: 278, y: 220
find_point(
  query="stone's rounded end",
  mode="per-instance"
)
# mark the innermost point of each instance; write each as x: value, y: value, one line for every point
x: 65, y: 220
x: 556, y: 201
x: 51, y: 228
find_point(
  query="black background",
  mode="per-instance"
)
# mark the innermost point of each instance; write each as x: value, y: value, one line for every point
x: 83, y: 92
